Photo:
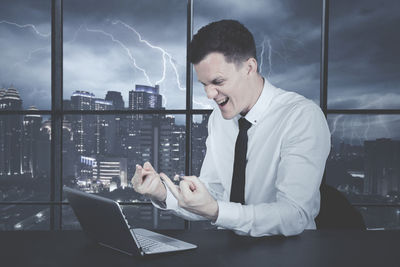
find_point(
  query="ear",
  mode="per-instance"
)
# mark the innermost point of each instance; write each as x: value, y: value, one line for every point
x: 251, y: 66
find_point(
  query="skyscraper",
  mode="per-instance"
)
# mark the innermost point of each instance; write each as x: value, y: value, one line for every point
x: 116, y: 99
x: 83, y: 126
x: 145, y: 97
x: 382, y: 166
x: 82, y: 100
x: 118, y: 124
x: 111, y: 172
x: 142, y: 136
x: 30, y: 146
x: 104, y: 133
x: 199, y: 136
x: 10, y: 133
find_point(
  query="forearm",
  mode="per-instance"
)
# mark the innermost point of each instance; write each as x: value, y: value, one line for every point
x: 278, y: 218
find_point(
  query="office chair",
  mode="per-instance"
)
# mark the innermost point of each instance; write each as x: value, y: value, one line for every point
x: 336, y: 212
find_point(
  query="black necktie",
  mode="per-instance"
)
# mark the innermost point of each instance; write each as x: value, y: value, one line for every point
x: 239, y: 164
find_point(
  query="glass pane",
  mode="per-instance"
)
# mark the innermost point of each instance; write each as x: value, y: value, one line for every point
x: 25, y: 52
x: 138, y: 216
x: 199, y: 136
x: 150, y: 217
x: 363, y: 54
x: 287, y: 35
x: 100, y: 152
x: 24, y: 217
x: 381, y: 218
x: 24, y: 157
x: 365, y: 156
x: 126, y: 46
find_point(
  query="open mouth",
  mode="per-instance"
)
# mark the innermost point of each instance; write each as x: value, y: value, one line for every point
x: 223, y: 102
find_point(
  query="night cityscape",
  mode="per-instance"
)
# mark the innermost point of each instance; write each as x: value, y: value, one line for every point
x: 100, y: 153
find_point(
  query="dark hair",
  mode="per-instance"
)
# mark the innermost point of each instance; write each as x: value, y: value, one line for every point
x: 229, y: 37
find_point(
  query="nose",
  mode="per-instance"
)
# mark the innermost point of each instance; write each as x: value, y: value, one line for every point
x: 211, y: 91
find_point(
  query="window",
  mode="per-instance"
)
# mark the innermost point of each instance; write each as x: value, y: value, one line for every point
x: 363, y: 108
x: 118, y: 90
x: 287, y: 36
x: 25, y: 98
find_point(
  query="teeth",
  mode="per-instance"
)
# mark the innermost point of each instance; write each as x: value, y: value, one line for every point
x: 222, y: 101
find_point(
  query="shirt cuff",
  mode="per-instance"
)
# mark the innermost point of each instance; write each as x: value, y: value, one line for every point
x: 228, y: 214
x: 170, y: 202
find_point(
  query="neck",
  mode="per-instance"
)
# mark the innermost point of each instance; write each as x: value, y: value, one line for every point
x: 257, y: 85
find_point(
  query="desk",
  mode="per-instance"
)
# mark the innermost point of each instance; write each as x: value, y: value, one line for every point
x: 216, y: 248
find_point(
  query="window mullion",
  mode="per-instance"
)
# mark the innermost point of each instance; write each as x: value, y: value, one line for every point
x: 56, y: 113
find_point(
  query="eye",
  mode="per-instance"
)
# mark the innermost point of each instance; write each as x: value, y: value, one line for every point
x: 217, y: 82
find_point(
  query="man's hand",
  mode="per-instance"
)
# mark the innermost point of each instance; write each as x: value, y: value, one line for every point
x: 193, y: 196
x: 146, y: 181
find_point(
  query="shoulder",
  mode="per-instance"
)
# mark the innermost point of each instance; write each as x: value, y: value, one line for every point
x: 294, y: 104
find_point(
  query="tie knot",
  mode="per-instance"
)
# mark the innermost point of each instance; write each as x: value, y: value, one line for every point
x: 244, y: 124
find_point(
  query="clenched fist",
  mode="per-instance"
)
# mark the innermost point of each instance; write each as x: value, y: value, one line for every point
x: 193, y: 196
x: 146, y: 181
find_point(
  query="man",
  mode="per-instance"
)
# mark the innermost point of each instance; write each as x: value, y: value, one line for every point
x: 264, y: 178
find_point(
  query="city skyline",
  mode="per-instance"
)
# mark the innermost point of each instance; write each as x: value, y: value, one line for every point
x: 111, y: 132
x: 133, y: 137
x: 96, y: 155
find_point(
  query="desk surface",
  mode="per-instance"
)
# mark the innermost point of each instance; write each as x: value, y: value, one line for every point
x: 215, y: 248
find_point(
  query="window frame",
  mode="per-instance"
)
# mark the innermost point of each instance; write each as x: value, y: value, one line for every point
x: 57, y: 112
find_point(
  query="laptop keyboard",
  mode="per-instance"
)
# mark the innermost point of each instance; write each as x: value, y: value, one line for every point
x: 148, y: 244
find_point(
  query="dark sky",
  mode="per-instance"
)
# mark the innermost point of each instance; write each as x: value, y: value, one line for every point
x: 103, y: 52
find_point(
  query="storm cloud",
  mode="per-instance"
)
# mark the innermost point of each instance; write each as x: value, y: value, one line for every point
x: 102, y: 53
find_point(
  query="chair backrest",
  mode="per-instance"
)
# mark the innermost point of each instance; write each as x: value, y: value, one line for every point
x: 336, y: 212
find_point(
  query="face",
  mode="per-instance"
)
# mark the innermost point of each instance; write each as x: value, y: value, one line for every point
x: 225, y: 83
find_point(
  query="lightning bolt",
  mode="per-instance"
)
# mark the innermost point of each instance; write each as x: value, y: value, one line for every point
x: 266, y: 44
x: 30, y: 54
x: 163, y: 52
x: 357, y: 136
x: 366, y: 130
x: 262, y: 55
x: 33, y: 27
x: 165, y: 55
x: 75, y: 35
x: 35, y: 51
x: 269, y: 58
x: 335, y: 121
x: 124, y: 47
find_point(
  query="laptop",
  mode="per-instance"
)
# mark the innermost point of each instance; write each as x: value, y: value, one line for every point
x: 103, y: 221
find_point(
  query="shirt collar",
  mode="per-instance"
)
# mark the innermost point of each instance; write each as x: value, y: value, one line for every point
x: 257, y: 111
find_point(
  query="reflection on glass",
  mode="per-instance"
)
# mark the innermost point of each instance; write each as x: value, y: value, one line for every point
x: 365, y: 156
x: 287, y: 35
x: 118, y: 46
x: 25, y: 52
x: 100, y: 152
x: 138, y: 216
x: 381, y: 218
x: 150, y: 217
x: 364, y: 55
x: 24, y: 157
x: 24, y: 217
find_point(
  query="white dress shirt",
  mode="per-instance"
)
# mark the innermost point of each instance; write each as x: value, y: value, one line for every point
x: 288, y: 144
